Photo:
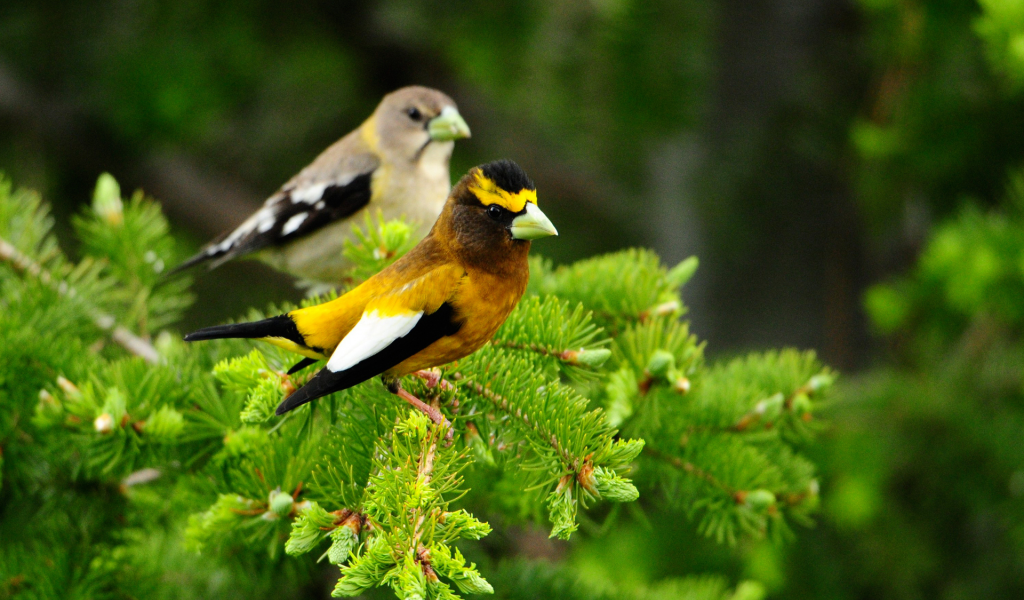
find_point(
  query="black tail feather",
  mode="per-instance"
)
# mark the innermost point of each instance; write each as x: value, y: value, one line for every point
x: 323, y: 383
x: 302, y: 364
x: 280, y: 326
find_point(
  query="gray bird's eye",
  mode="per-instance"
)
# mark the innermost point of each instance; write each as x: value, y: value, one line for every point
x: 414, y: 114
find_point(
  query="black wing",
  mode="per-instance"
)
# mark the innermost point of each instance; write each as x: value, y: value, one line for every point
x: 290, y: 214
x: 428, y: 330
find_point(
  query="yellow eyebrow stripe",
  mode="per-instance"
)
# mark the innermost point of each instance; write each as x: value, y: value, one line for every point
x: 489, y: 193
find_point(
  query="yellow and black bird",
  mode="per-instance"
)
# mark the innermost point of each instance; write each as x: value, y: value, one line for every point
x: 395, y: 162
x: 438, y: 303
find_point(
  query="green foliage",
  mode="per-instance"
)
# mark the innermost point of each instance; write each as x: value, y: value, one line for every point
x: 618, y: 288
x: 1001, y: 26
x: 946, y: 103
x: 309, y: 528
x: 253, y: 378
x: 377, y: 244
x: 722, y: 442
x: 925, y: 449
x: 525, y: 580
x: 421, y: 475
x: 971, y: 268
x: 130, y: 240
x: 592, y: 395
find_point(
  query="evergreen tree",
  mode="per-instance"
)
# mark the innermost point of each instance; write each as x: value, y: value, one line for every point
x: 925, y: 461
x: 136, y: 465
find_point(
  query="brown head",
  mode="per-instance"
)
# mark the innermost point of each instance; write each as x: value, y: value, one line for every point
x: 491, y: 216
x: 409, y: 120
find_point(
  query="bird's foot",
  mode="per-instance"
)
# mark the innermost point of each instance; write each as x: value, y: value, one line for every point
x: 432, y: 412
x: 433, y: 378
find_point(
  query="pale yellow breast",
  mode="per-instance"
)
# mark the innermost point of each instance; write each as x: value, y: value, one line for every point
x: 417, y: 192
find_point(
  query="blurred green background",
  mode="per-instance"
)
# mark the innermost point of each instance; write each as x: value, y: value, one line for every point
x: 806, y: 150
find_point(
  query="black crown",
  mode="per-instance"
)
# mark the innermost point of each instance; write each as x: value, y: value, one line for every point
x: 508, y: 175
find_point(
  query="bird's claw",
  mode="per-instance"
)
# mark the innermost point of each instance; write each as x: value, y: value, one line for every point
x: 432, y: 377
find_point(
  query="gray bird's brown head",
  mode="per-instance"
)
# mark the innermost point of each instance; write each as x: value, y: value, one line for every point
x: 417, y: 123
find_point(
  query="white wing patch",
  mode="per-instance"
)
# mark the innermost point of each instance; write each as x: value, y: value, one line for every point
x: 293, y: 223
x: 310, y: 193
x: 371, y: 334
x: 261, y: 220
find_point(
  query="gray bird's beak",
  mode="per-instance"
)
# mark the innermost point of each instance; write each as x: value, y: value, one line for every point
x: 448, y: 126
x: 533, y: 225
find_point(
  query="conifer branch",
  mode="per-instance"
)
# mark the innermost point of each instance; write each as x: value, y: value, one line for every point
x: 126, y: 339
x: 554, y: 412
x: 690, y: 468
x: 502, y: 405
x: 575, y: 357
x: 568, y: 451
x: 555, y: 334
x: 414, y: 480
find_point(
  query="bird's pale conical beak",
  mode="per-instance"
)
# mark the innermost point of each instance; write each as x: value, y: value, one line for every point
x: 533, y: 225
x: 448, y: 126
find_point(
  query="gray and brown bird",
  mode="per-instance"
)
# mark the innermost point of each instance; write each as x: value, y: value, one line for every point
x: 395, y: 162
x: 438, y: 303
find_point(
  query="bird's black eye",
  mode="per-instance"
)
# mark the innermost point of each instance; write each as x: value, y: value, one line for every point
x: 494, y: 211
x: 414, y: 114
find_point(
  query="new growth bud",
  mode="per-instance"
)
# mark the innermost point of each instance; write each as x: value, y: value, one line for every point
x: 664, y: 309
x: 106, y: 200
x: 587, y: 358
x: 343, y: 540
x: 49, y: 410
x: 681, y: 273
x: 280, y: 503
x: 660, y: 363
x: 104, y: 423
x: 681, y: 385
x: 820, y: 382
x: 395, y: 234
x: 69, y: 389
x: 164, y: 424
x: 759, y: 500
x: 802, y: 404
x: 613, y: 488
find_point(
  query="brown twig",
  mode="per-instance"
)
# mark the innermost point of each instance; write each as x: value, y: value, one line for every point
x: 539, y: 349
x: 126, y: 339
x: 424, y: 474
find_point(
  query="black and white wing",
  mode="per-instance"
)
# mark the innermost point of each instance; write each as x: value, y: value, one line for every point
x: 305, y: 204
x: 373, y: 346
